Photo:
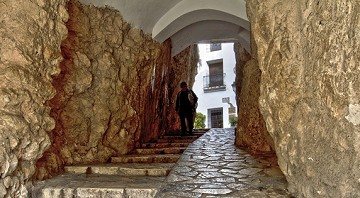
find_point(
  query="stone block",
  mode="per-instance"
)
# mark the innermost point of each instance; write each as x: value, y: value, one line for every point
x: 99, y: 192
x: 143, y: 193
x: 76, y: 169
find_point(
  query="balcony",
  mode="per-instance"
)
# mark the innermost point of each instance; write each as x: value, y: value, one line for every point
x: 214, y: 83
x: 215, y: 47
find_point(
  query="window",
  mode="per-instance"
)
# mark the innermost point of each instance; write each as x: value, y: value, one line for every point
x: 216, y: 74
x: 215, y: 80
x: 215, y: 47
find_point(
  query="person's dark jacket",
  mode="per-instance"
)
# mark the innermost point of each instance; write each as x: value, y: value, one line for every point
x: 183, y: 104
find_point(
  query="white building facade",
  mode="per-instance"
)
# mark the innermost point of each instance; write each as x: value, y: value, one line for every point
x: 213, y: 84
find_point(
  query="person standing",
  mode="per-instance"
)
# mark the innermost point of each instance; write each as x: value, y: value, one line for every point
x: 186, y: 103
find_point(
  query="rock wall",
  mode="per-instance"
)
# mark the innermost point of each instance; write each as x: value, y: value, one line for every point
x: 183, y: 68
x: 251, y: 132
x: 165, y: 84
x: 113, y: 91
x: 309, y: 56
x: 30, y: 34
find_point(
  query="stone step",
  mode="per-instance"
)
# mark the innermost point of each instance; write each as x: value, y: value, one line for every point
x: 165, y: 158
x: 175, y: 141
x: 99, y: 186
x: 201, y: 130
x: 164, y: 145
x: 195, y: 131
x: 199, y: 133
x: 133, y: 169
x: 179, y: 137
x: 149, y: 151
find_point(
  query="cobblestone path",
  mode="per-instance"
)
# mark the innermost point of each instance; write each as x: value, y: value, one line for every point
x: 213, y: 167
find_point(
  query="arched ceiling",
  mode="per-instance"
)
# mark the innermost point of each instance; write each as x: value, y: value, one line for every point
x: 186, y: 21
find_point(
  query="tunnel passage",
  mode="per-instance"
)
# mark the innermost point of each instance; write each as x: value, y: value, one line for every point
x: 307, y: 52
x: 110, y: 82
x: 111, y: 78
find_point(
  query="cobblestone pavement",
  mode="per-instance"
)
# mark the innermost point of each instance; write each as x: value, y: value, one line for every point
x: 213, y: 167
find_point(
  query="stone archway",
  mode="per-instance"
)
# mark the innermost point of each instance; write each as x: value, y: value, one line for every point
x: 203, y: 20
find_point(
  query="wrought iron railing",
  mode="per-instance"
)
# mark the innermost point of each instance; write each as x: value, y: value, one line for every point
x: 215, y: 47
x: 214, y: 81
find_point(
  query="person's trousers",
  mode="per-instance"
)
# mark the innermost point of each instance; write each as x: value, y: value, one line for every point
x: 187, y: 122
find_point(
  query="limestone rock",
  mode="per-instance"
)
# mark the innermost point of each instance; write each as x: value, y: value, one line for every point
x: 165, y: 86
x: 97, y: 108
x: 114, y: 91
x: 30, y: 37
x: 251, y: 130
x: 309, y: 53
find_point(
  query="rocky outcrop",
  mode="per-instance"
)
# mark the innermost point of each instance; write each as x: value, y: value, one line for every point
x: 162, y: 92
x: 113, y: 92
x: 103, y: 81
x: 184, y: 66
x: 309, y: 56
x: 30, y: 37
x: 251, y: 131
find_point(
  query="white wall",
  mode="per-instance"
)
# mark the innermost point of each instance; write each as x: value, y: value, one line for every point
x: 214, y: 99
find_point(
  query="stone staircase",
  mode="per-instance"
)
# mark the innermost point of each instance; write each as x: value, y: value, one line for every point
x: 138, y: 174
x: 167, y: 149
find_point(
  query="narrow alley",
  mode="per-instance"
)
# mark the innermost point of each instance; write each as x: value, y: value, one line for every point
x: 210, y: 167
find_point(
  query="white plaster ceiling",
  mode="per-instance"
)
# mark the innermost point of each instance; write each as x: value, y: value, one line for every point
x: 220, y: 32
x: 185, y: 21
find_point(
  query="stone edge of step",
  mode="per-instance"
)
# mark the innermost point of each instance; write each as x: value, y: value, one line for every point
x: 156, y: 169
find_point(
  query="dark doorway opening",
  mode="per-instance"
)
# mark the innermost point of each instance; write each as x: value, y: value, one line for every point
x: 216, y: 117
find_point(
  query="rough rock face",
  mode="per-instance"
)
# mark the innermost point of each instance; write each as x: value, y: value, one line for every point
x: 30, y: 37
x: 162, y: 92
x: 100, y: 90
x: 112, y: 93
x: 251, y: 130
x: 309, y: 55
x: 183, y: 68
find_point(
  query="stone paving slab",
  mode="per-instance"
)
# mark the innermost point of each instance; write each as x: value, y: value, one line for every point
x: 97, y: 186
x: 133, y: 169
x: 213, y: 167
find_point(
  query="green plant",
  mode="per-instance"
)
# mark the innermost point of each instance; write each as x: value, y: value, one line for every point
x: 233, y: 121
x: 199, y: 121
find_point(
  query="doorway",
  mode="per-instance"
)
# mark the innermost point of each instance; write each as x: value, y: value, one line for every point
x: 216, y: 118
